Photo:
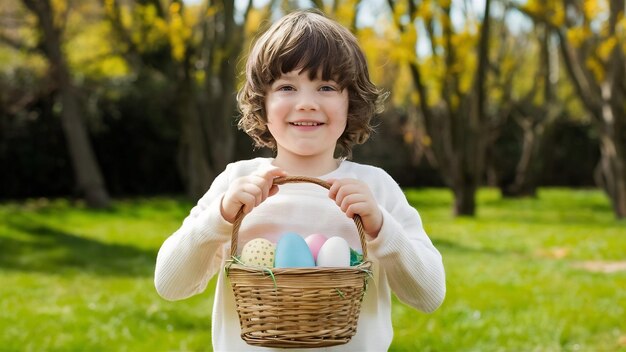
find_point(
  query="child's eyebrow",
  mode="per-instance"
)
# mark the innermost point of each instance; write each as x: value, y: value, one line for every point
x: 291, y: 76
x: 281, y: 79
x: 286, y: 78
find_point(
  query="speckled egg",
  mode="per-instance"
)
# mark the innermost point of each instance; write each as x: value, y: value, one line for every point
x: 258, y: 252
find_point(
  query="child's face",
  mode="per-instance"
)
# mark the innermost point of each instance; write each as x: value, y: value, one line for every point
x: 306, y: 117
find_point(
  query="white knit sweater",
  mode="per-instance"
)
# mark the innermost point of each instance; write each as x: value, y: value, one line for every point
x: 405, y: 261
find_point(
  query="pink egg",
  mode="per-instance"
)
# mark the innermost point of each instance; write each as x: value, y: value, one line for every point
x: 315, y: 242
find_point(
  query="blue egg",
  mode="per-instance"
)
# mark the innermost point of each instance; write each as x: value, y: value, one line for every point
x: 293, y: 252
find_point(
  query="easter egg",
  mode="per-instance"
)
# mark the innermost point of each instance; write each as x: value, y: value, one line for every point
x: 335, y: 252
x: 315, y: 242
x: 293, y: 252
x: 258, y: 252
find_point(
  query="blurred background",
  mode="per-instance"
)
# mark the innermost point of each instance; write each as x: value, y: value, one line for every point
x: 100, y: 96
x: 114, y: 113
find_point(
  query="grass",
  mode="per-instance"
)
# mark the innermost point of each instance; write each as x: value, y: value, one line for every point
x: 79, y: 279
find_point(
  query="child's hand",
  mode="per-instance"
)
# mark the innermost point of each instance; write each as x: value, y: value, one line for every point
x: 249, y: 191
x: 354, y: 197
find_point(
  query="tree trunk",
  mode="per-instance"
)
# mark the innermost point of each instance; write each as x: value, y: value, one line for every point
x: 613, y: 170
x: 525, y: 182
x: 469, y: 159
x: 464, y: 200
x: 457, y: 123
x: 225, y: 46
x: 206, y: 111
x: 193, y: 150
x: 89, y: 178
x: 86, y: 169
x: 604, y: 101
x: 613, y: 117
x: 534, y: 119
x: 470, y: 139
x: 209, y: 132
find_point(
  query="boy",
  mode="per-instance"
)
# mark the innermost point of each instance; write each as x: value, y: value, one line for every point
x: 307, y: 96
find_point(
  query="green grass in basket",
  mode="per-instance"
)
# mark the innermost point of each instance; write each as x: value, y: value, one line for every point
x: 520, y: 277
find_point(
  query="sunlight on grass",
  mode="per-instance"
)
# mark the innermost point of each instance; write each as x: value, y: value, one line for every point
x: 518, y: 277
x: 512, y: 282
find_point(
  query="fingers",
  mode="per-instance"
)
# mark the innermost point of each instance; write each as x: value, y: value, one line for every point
x: 334, y: 188
x: 271, y: 173
x: 255, y: 188
x: 348, y: 194
x: 354, y: 204
x: 248, y: 201
x: 273, y: 190
x: 250, y: 191
x: 266, y: 179
x: 354, y: 197
x: 252, y: 194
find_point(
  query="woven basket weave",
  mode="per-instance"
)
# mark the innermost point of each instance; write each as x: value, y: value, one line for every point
x: 298, y: 307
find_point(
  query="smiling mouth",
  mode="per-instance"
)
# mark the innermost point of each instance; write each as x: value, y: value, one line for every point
x: 306, y: 123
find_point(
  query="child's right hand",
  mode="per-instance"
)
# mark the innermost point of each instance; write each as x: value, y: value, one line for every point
x: 249, y: 191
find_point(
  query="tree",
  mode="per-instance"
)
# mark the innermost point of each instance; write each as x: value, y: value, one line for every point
x: 51, y: 21
x: 591, y: 36
x: 532, y: 104
x: 453, y: 108
x: 197, y: 50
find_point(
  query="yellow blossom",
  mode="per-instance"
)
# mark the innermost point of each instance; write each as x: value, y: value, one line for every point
x: 596, y: 68
x: 606, y: 47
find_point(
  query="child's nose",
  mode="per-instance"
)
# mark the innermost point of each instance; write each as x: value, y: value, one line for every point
x: 307, y: 101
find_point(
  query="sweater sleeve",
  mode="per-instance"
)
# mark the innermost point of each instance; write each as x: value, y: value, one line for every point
x: 190, y: 257
x: 413, y: 266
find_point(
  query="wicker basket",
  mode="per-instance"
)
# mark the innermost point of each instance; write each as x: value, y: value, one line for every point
x: 298, y: 307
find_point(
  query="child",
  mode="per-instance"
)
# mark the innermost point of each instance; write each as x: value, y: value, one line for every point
x: 307, y: 96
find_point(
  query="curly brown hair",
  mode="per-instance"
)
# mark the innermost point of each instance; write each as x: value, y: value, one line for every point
x: 309, y: 41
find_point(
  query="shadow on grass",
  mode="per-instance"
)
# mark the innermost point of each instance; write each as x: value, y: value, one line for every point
x: 449, y: 246
x: 33, y: 246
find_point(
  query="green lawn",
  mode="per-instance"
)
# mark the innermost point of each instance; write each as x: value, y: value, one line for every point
x: 524, y: 275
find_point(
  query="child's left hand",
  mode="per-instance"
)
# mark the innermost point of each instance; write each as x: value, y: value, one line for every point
x: 354, y: 197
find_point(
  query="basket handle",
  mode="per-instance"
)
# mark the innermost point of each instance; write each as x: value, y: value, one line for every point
x: 295, y: 179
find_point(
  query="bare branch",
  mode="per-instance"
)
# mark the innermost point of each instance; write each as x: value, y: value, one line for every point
x: 415, y: 71
x: 115, y: 18
x: 587, y: 91
x: 247, y: 12
x: 451, y: 83
x: 392, y: 6
x: 319, y: 4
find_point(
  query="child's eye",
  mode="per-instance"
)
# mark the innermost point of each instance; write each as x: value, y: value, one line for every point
x: 285, y: 88
x: 328, y: 89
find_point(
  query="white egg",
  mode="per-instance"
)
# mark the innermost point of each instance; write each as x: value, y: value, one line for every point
x: 335, y: 252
